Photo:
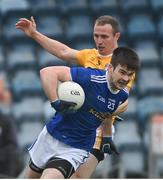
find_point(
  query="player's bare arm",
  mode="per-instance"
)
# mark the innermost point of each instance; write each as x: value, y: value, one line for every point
x: 50, y: 77
x: 54, y: 47
x: 107, y: 126
x: 122, y: 108
x: 108, y: 145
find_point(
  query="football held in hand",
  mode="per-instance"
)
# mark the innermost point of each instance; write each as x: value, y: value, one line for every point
x: 71, y: 92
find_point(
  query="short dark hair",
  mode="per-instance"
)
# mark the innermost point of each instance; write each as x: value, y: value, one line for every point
x: 102, y: 20
x: 125, y: 56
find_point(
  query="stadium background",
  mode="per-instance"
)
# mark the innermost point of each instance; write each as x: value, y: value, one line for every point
x: 139, y: 137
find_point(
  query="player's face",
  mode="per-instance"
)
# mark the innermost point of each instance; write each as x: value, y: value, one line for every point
x: 104, y: 39
x: 120, y: 77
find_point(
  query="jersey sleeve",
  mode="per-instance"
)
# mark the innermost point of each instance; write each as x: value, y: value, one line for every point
x: 86, y: 55
x: 80, y: 75
x: 81, y: 56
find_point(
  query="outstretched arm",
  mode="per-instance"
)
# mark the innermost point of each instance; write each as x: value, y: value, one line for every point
x: 50, y: 77
x: 54, y: 47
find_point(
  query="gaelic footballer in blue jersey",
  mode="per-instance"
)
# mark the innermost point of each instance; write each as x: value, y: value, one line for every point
x: 66, y: 140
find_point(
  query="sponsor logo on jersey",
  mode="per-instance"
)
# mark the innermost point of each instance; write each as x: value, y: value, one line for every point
x: 101, y: 116
x: 99, y: 97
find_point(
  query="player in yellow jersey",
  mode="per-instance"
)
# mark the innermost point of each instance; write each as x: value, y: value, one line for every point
x: 106, y: 34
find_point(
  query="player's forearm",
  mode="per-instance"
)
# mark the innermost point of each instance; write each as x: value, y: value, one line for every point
x: 49, y: 83
x: 107, y: 127
x: 54, y: 47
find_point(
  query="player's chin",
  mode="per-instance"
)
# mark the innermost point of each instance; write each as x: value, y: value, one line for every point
x: 120, y: 86
x: 101, y: 51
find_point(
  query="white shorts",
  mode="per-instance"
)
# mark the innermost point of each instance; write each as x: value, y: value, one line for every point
x: 47, y: 147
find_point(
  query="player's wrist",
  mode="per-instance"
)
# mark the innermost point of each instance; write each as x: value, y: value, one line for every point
x: 35, y: 34
x: 55, y: 104
x: 108, y: 137
x: 106, y: 140
x: 63, y: 106
x: 53, y: 101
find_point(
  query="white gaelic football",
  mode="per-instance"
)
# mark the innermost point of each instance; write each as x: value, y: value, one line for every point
x: 71, y: 92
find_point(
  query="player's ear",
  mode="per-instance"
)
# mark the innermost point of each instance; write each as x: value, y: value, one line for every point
x: 117, y: 35
x: 110, y: 67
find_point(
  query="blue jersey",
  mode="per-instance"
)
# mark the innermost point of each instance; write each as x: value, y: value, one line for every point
x: 79, y: 129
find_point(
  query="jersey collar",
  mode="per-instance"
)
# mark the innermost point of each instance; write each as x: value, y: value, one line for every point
x: 105, y: 56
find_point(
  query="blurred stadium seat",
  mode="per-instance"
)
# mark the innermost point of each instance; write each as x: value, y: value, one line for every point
x: 147, y: 106
x: 47, y: 59
x: 149, y: 81
x: 2, y: 58
x: 9, y: 31
x: 161, y: 60
x: 50, y: 23
x: 39, y: 5
x: 25, y: 138
x: 134, y: 7
x: 141, y: 26
x: 12, y: 10
x: 78, y: 27
x: 132, y: 161
x: 127, y: 133
x: 26, y: 82
x: 7, y: 6
x: 104, y: 6
x: 130, y: 113
x: 1, y: 25
x: 157, y: 6
x: 29, y: 109
x: 160, y: 29
x: 83, y: 44
x: 20, y: 56
x: 159, y: 166
x: 148, y: 53
x: 69, y: 7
